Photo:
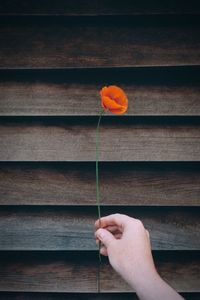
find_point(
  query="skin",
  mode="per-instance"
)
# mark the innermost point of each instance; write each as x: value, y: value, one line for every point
x: 127, y: 244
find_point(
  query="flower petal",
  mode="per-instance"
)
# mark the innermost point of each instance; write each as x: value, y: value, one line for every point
x: 114, y: 99
x: 110, y: 104
x: 119, y: 111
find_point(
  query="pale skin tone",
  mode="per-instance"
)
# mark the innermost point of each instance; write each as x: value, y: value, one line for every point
x: 126, y: 242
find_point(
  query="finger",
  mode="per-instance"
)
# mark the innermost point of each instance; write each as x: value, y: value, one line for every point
x: 116, y: 235
x: 119, y: 220
x: 147, y: 232
x: 105, y: 236
x: 104, y: 251
x: 113, y: 229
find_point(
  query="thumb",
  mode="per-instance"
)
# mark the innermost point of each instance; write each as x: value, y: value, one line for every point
x: 105, y: 236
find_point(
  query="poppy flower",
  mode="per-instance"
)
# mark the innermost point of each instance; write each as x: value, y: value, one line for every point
x: 114, y: 99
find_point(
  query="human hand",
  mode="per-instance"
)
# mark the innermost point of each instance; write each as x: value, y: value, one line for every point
x: 127, y: 244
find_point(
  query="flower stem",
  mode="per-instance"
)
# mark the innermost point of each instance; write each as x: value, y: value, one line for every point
x: 97, y: 174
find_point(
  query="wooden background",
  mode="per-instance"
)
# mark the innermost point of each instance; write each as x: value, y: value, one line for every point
x: 54, y: 58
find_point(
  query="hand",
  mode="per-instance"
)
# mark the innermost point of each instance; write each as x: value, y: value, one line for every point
x: 127, y: 244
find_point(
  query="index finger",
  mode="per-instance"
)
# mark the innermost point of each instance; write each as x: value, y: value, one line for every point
x: 115, y: 219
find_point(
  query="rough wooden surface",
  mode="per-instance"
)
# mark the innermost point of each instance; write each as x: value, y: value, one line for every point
x: 101, y: 45
x: 46, y: 274
x: 65, y: 273
x: 95, y: 7
x: 54, y: 58
x: 184, y: 277
x: 36, y: 98
x: 74, y: 184
x: 73, y: 229
x: 59, y: 140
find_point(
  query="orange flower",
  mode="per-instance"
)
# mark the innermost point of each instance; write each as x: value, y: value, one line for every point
x: 114, y: 99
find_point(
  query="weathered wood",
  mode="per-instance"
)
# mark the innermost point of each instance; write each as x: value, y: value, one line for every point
x: 32, y: 98
x: 184, y: 277
x: 55, y: 45
x: 74, y: 140
x: 74, y: 184
x: 41, y: 273
x: 95, y: 7
x: 67, y: 273
x: 79, y: 296
x: 73, y: 228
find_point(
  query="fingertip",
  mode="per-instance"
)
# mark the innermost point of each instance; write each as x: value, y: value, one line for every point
x: 103, y: 251
x: 97, y: 223
x: 100, y: 233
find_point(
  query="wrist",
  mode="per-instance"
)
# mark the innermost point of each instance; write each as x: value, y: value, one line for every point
x: 145, y: 281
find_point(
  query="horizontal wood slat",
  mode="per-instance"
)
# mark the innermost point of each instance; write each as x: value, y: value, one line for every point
x: 96, y: 7
x: 48, y: 273
x: 59, y: 140
x: 79, y: 296
x: 51, y: 98
x: 68, y: 45
x: 74, y: 184
x: 73, y: 228
x: 177, y: 278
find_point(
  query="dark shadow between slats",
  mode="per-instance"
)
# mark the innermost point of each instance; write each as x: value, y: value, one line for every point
x: 95, y: 7
x: 85, y: 296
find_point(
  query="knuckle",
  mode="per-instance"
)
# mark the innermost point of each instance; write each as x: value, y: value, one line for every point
x: 117, y: 215
x: 138, y: 223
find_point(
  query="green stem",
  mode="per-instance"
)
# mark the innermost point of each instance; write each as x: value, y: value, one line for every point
x: 97, y: 173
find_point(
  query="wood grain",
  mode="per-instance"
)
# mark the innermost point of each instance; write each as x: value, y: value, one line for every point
x: 54, y: 45
x: 182, y: 278
x: 63, y: 273
x: 37, y: 228
x: 59, y: 183
x: 74, y: 140
x: 96, y: 7
x: 46, y: 274
x: 47, y: 182
x: 37, y: 98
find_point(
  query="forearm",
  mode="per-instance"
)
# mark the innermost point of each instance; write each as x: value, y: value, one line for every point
x: 154, y: 288
x: 127, y: 244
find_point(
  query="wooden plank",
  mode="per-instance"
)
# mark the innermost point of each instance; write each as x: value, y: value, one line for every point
x: 51, y: 98
x: 184, y: 276
x: 74, y: 184
x: 66, y: 45
x: 103, y: 7
x: 63, y: 273
x: 74, y: 140
x: 37, y: 228
x: 42, y: 273
x: 79, y: 296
